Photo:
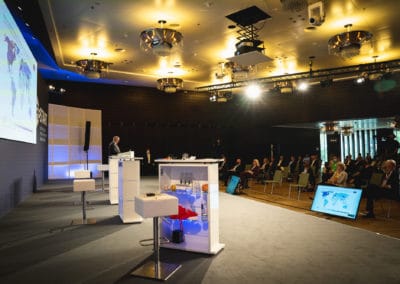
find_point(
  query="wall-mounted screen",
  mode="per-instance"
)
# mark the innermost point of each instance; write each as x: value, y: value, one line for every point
x: 18, y: 82
x: 339, y: 201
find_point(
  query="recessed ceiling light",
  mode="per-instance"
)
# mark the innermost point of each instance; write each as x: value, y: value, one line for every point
x: 310, y: 29
x: 120, y: 50
x: 231, y: 27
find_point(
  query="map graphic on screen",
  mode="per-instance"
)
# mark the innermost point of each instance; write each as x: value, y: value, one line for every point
x: 339, y: 201
x: 18, y: 82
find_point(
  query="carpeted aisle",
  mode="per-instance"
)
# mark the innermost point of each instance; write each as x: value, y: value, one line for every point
x: 268, y: 244
x: 263, y: 244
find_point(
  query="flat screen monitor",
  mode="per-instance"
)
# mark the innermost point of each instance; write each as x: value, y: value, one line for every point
x: 338, y: 201
x: 18, y: 82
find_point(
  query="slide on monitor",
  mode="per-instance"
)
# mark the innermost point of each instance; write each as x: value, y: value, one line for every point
x: 338, y: 201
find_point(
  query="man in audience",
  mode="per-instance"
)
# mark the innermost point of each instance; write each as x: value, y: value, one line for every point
x: 237, y: 168
x: 389, y: 187
x: 315, y: 166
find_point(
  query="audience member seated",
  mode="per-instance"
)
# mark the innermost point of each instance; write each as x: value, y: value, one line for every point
x: 263, y: 172
x: 292, y: 168
x: 315, y: 166
x: 349, y: 163
x: 326, y: 172
x: 272, y: 168
x: 356, y: 177
x: 281, y: 163
x: 251, y: 173
x: 235, y: 170
x: 389, y: 187
x: 299, y: 167
x: 308, y: 170
x: 339, y: 177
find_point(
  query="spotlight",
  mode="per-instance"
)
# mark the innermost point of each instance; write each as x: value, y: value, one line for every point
x: 51, y: 88
x: 253, y: 91
x: 360, y: 81
x: 213, y: 98
x: 303, y: 86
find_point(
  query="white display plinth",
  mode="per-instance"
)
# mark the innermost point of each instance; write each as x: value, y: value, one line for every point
x: 113, y: 176
x: 195, y: 184
x: 128, y: 189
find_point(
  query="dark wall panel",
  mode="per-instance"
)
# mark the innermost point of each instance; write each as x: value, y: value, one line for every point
x: 22, y: 163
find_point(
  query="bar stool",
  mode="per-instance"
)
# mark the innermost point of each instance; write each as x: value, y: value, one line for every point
x: 84, y: 185
x: 156, y: 206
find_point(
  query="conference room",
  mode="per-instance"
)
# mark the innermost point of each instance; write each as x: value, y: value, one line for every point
x: 183, y: 84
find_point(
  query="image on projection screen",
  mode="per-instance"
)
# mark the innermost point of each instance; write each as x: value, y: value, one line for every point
x: 18, y: 85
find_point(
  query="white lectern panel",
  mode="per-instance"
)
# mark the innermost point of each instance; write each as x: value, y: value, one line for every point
x: 128, y: 189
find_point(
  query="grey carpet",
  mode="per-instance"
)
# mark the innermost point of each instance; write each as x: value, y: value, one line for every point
x: 263, y: 244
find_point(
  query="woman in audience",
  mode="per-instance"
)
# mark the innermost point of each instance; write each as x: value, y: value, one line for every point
x: 251, y: 173
x: 339, y: 177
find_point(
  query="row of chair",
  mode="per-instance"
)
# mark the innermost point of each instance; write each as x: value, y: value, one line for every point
x: 278, y: 178
x: 302, y: 184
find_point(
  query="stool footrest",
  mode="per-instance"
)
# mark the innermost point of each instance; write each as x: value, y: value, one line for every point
x: 150, y: 242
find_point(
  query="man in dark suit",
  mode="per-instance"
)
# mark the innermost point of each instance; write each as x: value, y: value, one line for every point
x: 113, y: 148
x: 389, y: 187
x: 235, y: 170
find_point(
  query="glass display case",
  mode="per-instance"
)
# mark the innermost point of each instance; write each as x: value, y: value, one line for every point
x: 195, y: 184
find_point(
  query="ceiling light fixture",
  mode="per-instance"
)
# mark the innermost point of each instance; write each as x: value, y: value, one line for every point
x: 160, y: 40
x: 92, y: 68
x: 169, y: 85
x: 348, y: 44
x: 284, y: 87
x: 330, y: 127
x: 347, y: 130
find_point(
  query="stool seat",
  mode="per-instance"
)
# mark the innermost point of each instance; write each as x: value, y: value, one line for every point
x: 102, y: 168
x: 156, y: 206
x: 84, y: 185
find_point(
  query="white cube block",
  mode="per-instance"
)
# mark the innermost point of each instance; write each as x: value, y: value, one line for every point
x: 84, y: 185
x: 102, y: 168
x: 82, y: 174
x: 156, y: 206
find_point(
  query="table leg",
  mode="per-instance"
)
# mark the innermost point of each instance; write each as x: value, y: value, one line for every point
x: 102, y: 180
x: 84, y: 205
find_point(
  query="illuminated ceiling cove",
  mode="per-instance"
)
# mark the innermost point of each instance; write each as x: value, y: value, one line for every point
x: 111, y: 29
